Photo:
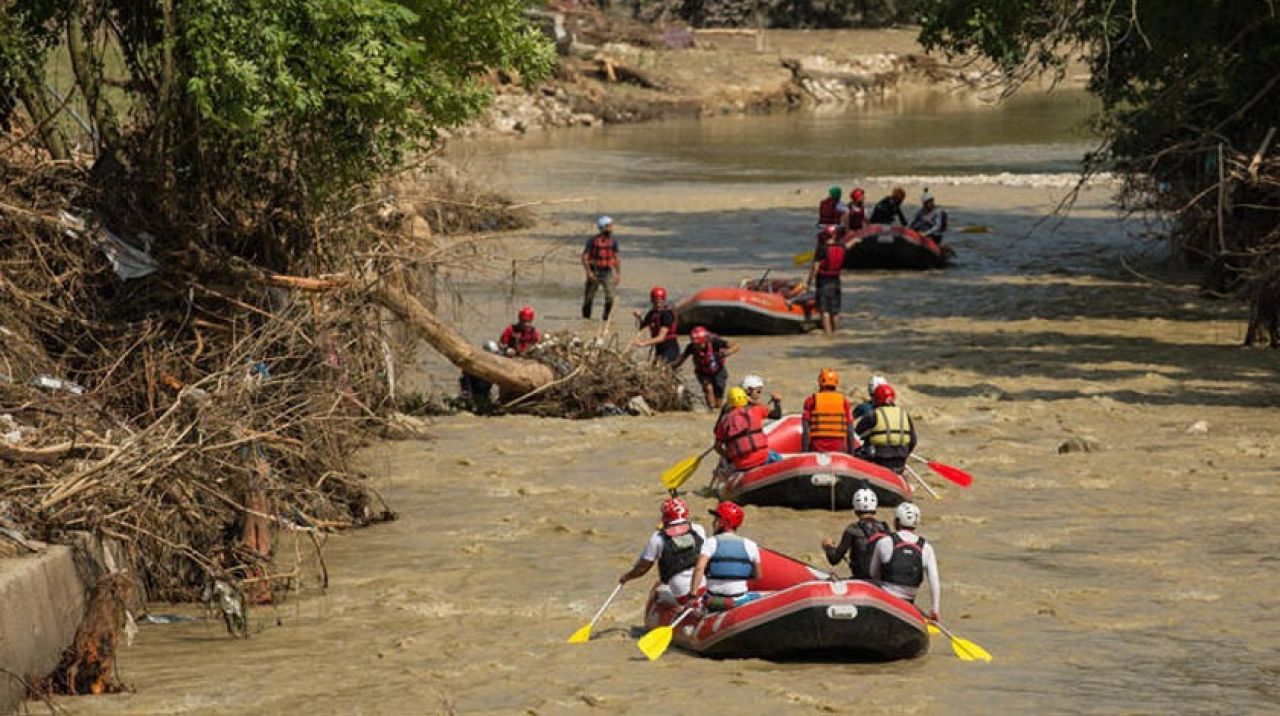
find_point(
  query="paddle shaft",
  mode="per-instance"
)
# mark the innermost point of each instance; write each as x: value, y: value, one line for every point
x: 920, y: 480
x: 606, y: 604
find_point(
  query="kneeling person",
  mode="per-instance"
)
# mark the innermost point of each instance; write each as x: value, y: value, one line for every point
x: 727, y: 561
x: 675, y: 548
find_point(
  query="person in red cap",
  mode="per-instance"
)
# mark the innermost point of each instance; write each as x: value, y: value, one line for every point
x: 674, y: 547
x: 824, y: 276
x: 520, y: 336
x: 727, y: 561
x: 709, y: 352
x: 856, y: 215
x: 888, y: 434
x: 661, y: 323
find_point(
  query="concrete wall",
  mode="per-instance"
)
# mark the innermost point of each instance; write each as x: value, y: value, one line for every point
x: 42, y: 598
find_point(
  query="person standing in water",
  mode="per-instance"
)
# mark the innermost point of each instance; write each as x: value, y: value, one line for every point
x: 824, y: 276
x: 603, y: 268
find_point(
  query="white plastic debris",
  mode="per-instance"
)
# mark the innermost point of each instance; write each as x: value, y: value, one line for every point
x: 44, y: 380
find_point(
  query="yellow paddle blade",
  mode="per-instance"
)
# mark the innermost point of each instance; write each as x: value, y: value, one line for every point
x: 975, y: 230
x: 969, y: 651
x: 933, y: 630
x: 802, y: 259
x: 655, y: 643
x: 581, y: 636
x: 677, y: 474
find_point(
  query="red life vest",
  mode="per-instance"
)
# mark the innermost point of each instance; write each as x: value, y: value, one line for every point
x: 857, y: 218
x: 706, y: 359
x: 742, y: 432
x: 602, y: 254
x: 829, y: 211
x: 832, y: 261
x: 521, y: 338
x: 654, y: 322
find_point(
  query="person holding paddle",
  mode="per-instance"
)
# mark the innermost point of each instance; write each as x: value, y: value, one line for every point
x: 860, y: 537
x: 674, y: 547
x: 727, y: 561
x: 824, y: 276
x: 902, y: 562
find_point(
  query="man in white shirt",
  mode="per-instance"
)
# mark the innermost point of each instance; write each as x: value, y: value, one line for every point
x: 726, y: 560
x: 903, y: 562
x: 674, y: 548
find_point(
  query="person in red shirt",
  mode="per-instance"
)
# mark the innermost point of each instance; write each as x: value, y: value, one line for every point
x: 824, y: 276
x: 520, y: 336
x: 828, y: 418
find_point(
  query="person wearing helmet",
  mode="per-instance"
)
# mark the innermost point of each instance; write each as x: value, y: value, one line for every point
x: 754, y: 385
x: 520, y: 336
x: 739, y: 432
x: 865, y: 408
x: 860, y: 537
x: 708, y: 352
x: 890, y: 208
x: 831, y: 210
x: 856, y: 213
x: 902, y: 562
x: 827, y: 419
x: 674, y: 547
x: 727, y: 560
x: 824, y: 276
x: 661, y: 323
x: 888, y: 434
x: 930, y: 220
x: 603, y: 267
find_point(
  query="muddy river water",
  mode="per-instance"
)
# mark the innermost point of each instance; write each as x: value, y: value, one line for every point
x: 1137, y: 578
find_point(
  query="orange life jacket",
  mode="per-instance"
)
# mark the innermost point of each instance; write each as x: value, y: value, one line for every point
x: 828, y: 419
x: 602, y: 254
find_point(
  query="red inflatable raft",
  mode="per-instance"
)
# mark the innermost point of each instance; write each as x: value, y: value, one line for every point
x: 803, y: 613
x: 810, y: 479
x: 745, y: 311
x: 878, y: 246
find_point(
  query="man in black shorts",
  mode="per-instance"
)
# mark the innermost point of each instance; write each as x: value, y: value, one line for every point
x: 828, y: 261
x: 709, y: 352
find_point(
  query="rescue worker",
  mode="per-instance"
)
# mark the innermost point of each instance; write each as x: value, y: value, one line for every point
x: 856, y: 212
x: 831, y: 210
x: 476, y: 391
x: 754, y: 385
x: 520, y: 336
x: 887, y: 433
x: 660, y: 320
x: 740, y: 438
x: 902, y: 562
x: 930, y: 220
x: 860, y: 537
x: 603, y: 267
x: 824, y: 275
x: 674, y: 547
x: 727, y: 560
x: 864, y: 408
x: 890, y: 208
x: 709, y: 352
x: 827, y: 420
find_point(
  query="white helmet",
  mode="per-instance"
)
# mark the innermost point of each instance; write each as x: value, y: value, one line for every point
x: 908, y: 515
x: 927, y: 196
x: 752, y: 381
x: 492, y: 347
x: 864, y: 500
x: 603, y: 221
x: 875, y: 380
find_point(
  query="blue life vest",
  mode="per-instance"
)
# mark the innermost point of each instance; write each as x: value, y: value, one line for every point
x: 730, y: 560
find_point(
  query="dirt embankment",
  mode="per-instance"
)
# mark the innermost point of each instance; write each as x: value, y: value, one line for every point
x: 635, y: 77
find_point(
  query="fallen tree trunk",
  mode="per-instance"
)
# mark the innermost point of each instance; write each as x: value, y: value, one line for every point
x: 513, y: 376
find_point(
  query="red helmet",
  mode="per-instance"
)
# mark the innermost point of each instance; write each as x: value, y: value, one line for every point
x: 730, y: 514
x: 699, y: 334
x: 884, y: 394
x: 526, y: 314
x: 674, y: 510
x: 657, y: 294
x: 857, y: 194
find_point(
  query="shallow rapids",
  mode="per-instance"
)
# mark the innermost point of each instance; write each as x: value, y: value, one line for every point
x: 1139, y: 578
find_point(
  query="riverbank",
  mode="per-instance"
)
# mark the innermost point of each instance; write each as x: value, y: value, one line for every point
x: 727, y: 73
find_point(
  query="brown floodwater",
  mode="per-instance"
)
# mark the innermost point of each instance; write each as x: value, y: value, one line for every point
x: 1139, y: 578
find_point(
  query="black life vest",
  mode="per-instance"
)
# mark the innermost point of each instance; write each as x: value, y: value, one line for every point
x: 654, y: 321
x: 706, y: 359
x: 678, y: 553
x: 865, y: 535
x: 602, y: 254
x: 906, y: 567
x: 885, y: 211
